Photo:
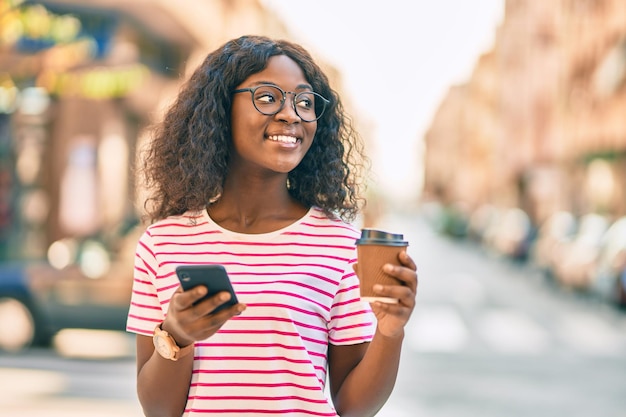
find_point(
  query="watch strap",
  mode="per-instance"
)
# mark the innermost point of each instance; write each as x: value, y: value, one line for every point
x: 184, y: 351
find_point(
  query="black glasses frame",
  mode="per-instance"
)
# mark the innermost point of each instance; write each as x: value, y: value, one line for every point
x: 252, y: 90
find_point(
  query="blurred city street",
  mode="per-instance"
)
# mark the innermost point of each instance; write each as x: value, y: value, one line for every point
x: 504, y: 119
x: 488, y: 338
x: 492, y: 338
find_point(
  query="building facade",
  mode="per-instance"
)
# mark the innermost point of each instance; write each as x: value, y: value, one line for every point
x: 79, y: 84
x: 541, y: 123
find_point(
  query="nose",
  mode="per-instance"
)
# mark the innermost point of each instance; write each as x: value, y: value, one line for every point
x: 287, y: 112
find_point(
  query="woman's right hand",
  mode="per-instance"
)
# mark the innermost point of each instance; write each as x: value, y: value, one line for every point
x: 188, y: 323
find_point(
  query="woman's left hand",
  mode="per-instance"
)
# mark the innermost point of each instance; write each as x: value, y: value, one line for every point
x: 393, y: 317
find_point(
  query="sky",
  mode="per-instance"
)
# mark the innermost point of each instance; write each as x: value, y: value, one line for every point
x: 398, y: 59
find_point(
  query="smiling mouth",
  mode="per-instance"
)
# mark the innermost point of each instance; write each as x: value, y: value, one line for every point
x: 283, y: 139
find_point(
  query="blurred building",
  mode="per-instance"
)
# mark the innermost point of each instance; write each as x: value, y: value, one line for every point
x: 541, y: 124
x: 79, y: 83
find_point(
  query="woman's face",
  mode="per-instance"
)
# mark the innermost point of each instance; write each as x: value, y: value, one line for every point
x: 277, y: 143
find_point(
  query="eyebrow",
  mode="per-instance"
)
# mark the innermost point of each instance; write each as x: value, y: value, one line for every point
x: 298, y: 87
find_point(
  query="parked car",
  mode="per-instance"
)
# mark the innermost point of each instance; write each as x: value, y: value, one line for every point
x: 575, y: 260
x: 511, y: 234
x: 608, y: 277
x: 85, y: 289
x: 553, y: 234
x: 480, y: 221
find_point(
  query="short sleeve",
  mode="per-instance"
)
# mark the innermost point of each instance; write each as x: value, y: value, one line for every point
x: 145, y: 310
x: 351, y: 320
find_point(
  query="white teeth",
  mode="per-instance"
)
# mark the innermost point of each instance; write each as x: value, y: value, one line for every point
x: 282, y: 138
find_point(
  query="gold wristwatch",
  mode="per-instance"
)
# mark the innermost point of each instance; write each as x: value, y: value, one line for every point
x: 165, y: 344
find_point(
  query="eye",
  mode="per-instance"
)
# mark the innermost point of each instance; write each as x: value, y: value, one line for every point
x: 267, y: 95
x: 265, y: 98
x: 305, y: 101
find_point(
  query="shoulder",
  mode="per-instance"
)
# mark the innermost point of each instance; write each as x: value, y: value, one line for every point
x: 175, y: 226
x: 186, y: 220
x: 318, y: 221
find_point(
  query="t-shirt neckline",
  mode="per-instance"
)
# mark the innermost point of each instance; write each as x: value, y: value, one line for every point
x: 240, y: 235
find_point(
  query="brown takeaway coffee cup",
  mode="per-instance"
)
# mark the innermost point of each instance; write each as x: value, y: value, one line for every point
x: 374, y: 249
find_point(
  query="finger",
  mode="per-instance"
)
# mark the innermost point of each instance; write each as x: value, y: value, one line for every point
x: 228, y: 312
x: 404, y: 294
x: 195, y: 294
x: 398, y: 310
x: 182, y: 300
x: 406, y: 275
x: 209, y: 305
x: 407, y: 261
x: 209, y: 324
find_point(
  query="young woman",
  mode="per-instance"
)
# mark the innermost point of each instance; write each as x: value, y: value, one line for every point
x: 255, y: 168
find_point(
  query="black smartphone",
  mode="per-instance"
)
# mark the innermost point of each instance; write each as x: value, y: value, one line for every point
x: 214, y: 277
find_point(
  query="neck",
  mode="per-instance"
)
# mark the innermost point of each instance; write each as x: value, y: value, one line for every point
x: 250, y: 207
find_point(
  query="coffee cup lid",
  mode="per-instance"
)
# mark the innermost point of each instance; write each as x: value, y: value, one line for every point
x: 378, y: 237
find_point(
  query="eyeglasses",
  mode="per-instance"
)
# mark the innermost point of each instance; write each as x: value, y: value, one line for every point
x: 270, y: 99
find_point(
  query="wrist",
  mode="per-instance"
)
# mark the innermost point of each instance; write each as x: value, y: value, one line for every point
x: 394, y: 337
x: 180, y: 340
x: 167, y: 347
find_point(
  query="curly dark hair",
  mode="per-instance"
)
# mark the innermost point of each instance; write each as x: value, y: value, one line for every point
x: 186, y: 162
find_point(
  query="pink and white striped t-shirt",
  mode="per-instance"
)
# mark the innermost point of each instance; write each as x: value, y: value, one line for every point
x: 301, y: 294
